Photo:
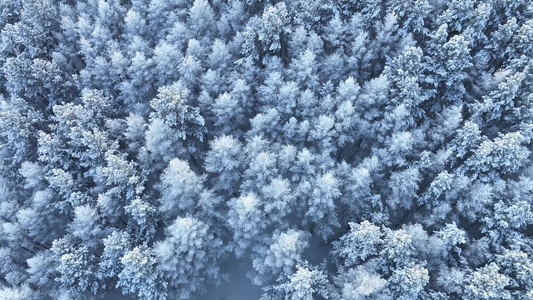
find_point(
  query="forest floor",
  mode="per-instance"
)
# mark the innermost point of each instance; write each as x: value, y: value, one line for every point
x: 239, y: 286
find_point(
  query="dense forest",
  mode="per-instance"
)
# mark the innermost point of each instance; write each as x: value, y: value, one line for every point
x: 340, y: 149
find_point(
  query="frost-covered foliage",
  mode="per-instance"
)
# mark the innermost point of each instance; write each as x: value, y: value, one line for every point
x: 338, y: 149
x: 187, y: 255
